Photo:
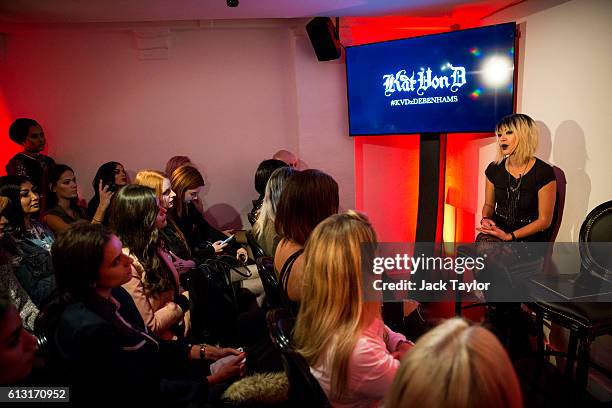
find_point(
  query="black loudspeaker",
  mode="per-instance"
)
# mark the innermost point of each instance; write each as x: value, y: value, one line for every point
x: 322, y: 35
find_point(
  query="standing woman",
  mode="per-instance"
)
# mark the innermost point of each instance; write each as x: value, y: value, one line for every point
x: 171, y: 235
x: 351, y: 352
x: 30, y: 163
x: 136, y: 218
x: 520, y: 189
x: 109, y: 178
x: 32, y: 238
x: 62, y: 199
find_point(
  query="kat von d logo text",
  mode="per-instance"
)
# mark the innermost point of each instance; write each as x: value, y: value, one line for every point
x: 401, y: 82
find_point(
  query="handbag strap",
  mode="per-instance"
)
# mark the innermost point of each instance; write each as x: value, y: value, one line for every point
x: 286, y: 269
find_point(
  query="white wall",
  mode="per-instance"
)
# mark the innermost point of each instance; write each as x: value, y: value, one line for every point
x: 226, y: 97
x: 565, y: 84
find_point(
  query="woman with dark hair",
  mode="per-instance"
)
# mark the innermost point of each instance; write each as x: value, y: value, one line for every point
x: 108, y: 179
x: 32, y: 239
x: 136, y: 217
x: 8, y: 281
x: 30, y: 163
x: 308, y: 198
x: 262, y: 175
x: 97, y: 342
x: 62, y: 208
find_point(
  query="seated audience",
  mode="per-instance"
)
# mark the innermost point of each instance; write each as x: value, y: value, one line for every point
x: 457, y: 365
x: 136, y: 217
x: 62, y: 200
x: 8, y: 281
x: 98, y: 344
x: 32, y: 240
x: 30, y: 163
x: 108, y: 179
x: 171, y: 235
x: 343, y: 338
x: 262, y: 175
x: 308, y: 198
x: 263, y: 229
x: 17, y: 345
x: 204, y: 240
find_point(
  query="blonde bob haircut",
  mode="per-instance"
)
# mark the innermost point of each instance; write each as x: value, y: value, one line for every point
x: 153, y: 179
x: 332, y: 312
x: 458, y: 366
x: 526, y: 132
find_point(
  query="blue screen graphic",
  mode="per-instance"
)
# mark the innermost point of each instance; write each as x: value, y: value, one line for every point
x: 461, y: 81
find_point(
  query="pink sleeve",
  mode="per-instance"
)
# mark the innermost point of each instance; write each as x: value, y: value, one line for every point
x: 372, y: 368
x: 158, y: 321
x: 392, y: 338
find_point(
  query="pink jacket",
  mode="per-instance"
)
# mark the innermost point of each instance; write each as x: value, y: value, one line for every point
x: 158, y: 311
x: 371, y: 369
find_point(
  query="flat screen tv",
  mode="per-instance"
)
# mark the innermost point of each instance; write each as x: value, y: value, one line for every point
x: 454, y: 82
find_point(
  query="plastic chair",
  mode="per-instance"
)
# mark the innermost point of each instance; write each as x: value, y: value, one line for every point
x: 275, y: 296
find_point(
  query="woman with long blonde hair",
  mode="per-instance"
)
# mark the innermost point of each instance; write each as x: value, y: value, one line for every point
x: 343, y: 338
x: 456, y: 365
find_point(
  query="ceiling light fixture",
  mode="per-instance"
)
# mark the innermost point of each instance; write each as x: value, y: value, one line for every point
x: 232, y: 3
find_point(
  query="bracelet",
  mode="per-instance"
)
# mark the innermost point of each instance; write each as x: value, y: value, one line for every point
x: 94, y: 219
x: 203, y: 351
x: 513, y: 236
x: 485, y: 218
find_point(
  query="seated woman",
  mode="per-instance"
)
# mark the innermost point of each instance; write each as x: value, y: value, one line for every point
x: 520, y: 189
x: 204, y: 240
x: 30, y: 163
x: 136, y: 217
x: 32, y: 239
x: 97, y: 342
x: 62, y: 198
x: 109, y: 178
x: 263, y: 229
x: 17, y: 346
x: 343, y: 338
x: 262, y: 175
x: 456, y: 362
x: 308, y: 198
x: 8, y: 281
x: 171, y: 235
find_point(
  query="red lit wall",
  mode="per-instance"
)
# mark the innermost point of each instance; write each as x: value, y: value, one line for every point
x: 7, y: 147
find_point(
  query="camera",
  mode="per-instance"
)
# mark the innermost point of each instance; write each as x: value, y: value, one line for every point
x: 232, y: 3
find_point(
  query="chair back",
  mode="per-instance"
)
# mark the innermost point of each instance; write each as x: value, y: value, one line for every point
x: 275, y: 296
x: 256, y: 250
x: 304, y: 389
x: 597, y: 228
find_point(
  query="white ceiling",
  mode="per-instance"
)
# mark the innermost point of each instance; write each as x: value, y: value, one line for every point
x: 105, y: 11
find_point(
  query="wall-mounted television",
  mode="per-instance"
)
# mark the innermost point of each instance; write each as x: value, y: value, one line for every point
x: 454, y: 82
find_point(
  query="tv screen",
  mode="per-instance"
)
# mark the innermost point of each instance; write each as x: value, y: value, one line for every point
x: 460, y: 81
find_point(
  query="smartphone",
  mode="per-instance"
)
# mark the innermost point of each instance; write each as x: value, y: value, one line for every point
x: 227, y: 240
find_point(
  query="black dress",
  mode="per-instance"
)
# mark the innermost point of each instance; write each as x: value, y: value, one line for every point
x: 516, y: 200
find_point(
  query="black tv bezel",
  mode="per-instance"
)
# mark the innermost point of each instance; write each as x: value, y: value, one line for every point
x: 514, y: 81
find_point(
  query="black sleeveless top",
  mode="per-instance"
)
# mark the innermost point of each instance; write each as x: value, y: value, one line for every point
x: 516, y: 200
